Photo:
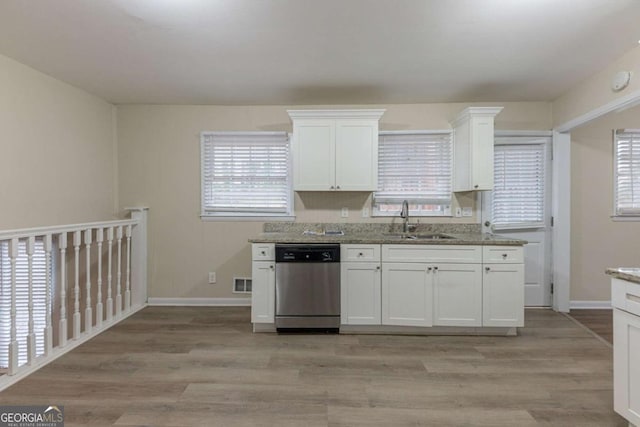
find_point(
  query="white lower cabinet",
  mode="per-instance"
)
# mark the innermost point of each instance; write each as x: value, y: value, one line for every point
x: 263, y: 292
x: 503, y: 295
x: 407, y: 294
x: 457, y: 294
x: 360, y: 293
x: 626, y: 365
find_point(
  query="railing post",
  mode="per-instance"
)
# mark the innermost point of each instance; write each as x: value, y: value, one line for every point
x: 127, y: 293
x: 13, y: 344
x: 31, y: 336
x: 48, y: 331
x: 139, y: 256
x: 99, y: 239
x: 119, y: 272
x: 62, y: 326
x: 109, y: 273
x: 88, y: 310
x: 77, y: 241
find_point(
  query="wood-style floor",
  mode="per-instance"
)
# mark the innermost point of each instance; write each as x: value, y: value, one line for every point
x: 203, y: 367
x: 599, y: 321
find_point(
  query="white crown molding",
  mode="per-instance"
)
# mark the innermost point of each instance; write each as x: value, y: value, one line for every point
x: 590, y: 305
x: 470, y: 112
x: 618, y: 104
x: 371, y: 114
x: 200, y: 302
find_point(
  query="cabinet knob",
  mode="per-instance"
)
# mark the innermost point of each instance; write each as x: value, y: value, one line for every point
x: 378, y: 268
x: 504, y: 256
x: 271, y: 267
x: 435, y: 268
x: 475, y: 186
x: 263, y: 253
x: 487, y: 269
x: 429, y: 269
x: 338, y: 187
x: 331, y: 187
x: 360, y: 254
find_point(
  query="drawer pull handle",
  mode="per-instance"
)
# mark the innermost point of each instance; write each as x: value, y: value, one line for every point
x: 487, y: 269
x: 633, y: 298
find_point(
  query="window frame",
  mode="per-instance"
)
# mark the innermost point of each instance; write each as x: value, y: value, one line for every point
x: 445, y: 209
x: 209, y: 215
x: 617, y: 214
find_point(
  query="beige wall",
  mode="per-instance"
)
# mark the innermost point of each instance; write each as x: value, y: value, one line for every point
x: 159, y: 166
x: 596, y: 90
x: 597, y: 241
x: 57, y: 151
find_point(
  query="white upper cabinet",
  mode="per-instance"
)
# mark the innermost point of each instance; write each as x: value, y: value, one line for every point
x: 335, y: 150
x: 473, y: 148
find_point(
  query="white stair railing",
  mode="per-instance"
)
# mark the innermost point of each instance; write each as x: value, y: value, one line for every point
x: 34, y: 287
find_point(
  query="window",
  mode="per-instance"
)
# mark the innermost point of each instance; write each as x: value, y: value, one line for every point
x: 246, y: 174
x: 626, y: 158
x: 416, y: 167
x: 519, y: 182
x: 22, y: 299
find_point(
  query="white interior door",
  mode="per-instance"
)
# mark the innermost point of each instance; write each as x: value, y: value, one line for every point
x: 522, y: 207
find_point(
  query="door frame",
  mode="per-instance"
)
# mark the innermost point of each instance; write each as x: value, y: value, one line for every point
x: 549, y: 197
x: 561, y: 235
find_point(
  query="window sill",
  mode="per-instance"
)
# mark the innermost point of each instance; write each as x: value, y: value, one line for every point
x: 625, y: 218
x: 231, y: 218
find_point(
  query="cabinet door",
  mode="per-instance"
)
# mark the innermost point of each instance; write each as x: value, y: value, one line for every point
x: 457, y: 295
x: 263, y: 292
x: 503, y: 295
x: 407, y: 294
x: 314, y: 155
x: 482, y: 140
x: 356, y: 155
x: 626, y: 369
x: 360, y: 293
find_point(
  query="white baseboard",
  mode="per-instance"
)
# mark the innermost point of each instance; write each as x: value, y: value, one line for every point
x: 207, y: 302
x: 589, y: 305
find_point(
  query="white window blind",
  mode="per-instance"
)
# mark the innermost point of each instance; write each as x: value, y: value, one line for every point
x: 519, y: 184
x: 245, y: 174
x: 414, y: 167
x: 22, y: 299
x: 627, y: 172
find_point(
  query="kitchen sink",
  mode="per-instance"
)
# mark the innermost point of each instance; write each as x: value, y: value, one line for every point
x: 433, y: 236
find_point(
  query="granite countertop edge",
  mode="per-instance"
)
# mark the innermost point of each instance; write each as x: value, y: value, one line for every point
x: 624, y: 273
x: 456, y: 239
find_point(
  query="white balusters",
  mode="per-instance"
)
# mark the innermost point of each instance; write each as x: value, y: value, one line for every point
x: 88, y: 311
x: 62, y: 328
x: 31, y: 336
x: 48, y: 332
x: 13, y: 344
x: 77, y: 241
x: 119, y: 272
x: 127, y: 294
x: 99, y: 239
x: 109, y: 276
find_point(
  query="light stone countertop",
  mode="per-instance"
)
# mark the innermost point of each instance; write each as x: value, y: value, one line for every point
x: 382, y: 238
x: 624, y: 273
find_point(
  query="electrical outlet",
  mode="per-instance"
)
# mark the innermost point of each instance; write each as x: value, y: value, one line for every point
x: 212, y: 277
x: 458, y: 212
x: 365, y: 212
x: 345, y: 213
x: 467, y: 211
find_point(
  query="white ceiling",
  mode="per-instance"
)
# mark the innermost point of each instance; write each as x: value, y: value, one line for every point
x: 319, y: 51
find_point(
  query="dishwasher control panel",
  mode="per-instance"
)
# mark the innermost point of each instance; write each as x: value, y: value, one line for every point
x: 308, y: 253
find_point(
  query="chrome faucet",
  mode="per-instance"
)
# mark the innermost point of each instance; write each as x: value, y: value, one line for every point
x: 404, y: 214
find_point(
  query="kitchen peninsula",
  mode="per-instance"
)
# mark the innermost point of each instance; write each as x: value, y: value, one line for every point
x: 435, y: 279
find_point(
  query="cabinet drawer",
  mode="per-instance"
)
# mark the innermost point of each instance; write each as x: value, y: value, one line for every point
x: 626, y: 296
x: 432, y: 253
x: 502, y: 254
x: 263, y: 251
x: 364, y: 253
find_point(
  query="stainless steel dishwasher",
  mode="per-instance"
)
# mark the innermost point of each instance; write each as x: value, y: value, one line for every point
x: 308, y: 286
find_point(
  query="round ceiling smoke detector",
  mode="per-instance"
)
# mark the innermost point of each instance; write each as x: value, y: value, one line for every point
x: 620, y: 80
